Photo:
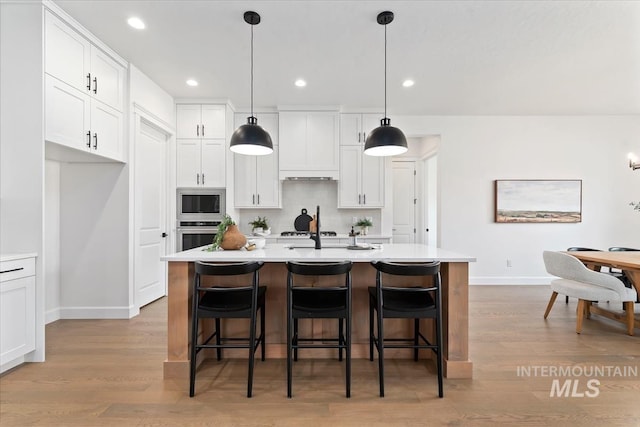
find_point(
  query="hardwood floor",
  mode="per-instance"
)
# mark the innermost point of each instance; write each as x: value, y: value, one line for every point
x: 109, y: 373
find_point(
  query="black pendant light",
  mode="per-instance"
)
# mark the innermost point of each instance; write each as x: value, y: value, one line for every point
x: 385, y: 140
x: 251, y: 139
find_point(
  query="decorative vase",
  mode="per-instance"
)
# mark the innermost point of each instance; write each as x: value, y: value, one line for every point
x: 233, y: 239
x: 364, y: 230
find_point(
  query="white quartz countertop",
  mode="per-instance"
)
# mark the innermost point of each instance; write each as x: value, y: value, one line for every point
x: 277, y: 252
x: 338, y: 236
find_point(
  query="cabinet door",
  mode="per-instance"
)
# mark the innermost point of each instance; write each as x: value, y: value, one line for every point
x: 66, y: 114
x: 292, y: 128
x: 213, y: 166
x: 372, y: 181
x: 188, y: 121
x: 268, y: 122
x: 350, y: 129
x: 17, y: 318
x: 268, y: 183
x: 323, y: 136
x: 106, y: 130
x: 369, y: 123
x: 188, y: 162
x: 213, y: 122
x: 244, y: 174
x: 67, y: 53
x: 349, y: 195
x: 107, y: 79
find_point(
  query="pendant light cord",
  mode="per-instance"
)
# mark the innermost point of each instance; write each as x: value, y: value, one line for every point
x: 385, y: 70
x: 251, y: 70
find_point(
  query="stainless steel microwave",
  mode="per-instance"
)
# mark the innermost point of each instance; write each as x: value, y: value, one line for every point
x: 200, y: 204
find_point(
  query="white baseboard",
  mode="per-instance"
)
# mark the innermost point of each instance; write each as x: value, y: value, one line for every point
x: 96, y: 312
x: 51, y: 315
x: 516, y: 280
x: 11, y: 364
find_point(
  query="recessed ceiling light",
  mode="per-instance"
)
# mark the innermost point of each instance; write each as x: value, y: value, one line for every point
x: 136, y: 23
x: 300, y: 83
x: 192, y: 82
x: 408, y: 83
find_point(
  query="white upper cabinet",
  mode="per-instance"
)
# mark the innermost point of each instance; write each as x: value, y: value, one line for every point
x: 201, y: 147
x: 84, y: 92
x: 309, y: 144
x: 200, y: 121
x: 256, y: 183
x: 361, y: 182
x: 355, y: 127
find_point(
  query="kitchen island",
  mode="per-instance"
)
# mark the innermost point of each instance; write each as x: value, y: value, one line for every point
x: 455, y: 283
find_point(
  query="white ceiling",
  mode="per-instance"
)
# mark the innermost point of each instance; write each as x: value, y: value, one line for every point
x: 466, y: 57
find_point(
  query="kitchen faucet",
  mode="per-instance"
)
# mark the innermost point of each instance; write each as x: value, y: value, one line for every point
x: 316, y: 236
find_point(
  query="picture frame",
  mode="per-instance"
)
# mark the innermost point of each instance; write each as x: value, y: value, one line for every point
x: 538, y: 201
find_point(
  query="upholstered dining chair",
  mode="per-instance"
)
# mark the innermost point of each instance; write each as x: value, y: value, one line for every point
x: 576, y: 280
x: 578, y: 248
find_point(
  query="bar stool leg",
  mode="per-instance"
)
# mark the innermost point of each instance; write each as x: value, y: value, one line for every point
x: 194, y: 342
x: 295, y: 339
x: 218, y: 350
x: 252, y: 350
x: 380, y: 345
x: 416, y: 332
x: 348, y: 351
x: 370, y: 328
x: 262, y: 331
x: 340, y: 339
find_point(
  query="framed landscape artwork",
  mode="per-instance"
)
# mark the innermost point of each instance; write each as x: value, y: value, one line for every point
x: 538, y: 200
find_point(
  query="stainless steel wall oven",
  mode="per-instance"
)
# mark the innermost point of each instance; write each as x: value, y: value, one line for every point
x: 199, y: 211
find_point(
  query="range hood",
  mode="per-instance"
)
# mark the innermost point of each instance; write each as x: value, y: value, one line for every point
x: 308, y: 178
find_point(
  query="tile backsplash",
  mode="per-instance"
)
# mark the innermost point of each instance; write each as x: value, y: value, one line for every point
x: 297, y: 195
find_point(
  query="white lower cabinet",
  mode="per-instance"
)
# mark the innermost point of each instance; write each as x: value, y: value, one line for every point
x: 17, y: 310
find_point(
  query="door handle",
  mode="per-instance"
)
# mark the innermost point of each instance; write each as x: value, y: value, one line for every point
x: 163, y: 235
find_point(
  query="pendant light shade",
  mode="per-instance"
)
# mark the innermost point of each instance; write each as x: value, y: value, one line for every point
x: 251, y: 139
x: 385, y: 140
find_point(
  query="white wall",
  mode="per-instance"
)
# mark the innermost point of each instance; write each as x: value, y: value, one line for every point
x: 145, y: 93
x: 21, y: 143
x: 52, y: 241
x: 477, y: 150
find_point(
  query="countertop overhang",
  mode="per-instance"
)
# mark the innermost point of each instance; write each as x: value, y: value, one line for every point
x: 275, y: 252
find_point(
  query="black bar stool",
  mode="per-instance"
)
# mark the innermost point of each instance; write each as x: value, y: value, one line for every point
x: 226, y: 302
x: 417, y: 301
x: 318, y: 302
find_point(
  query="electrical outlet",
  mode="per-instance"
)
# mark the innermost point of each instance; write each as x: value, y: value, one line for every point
x: 508, y: 263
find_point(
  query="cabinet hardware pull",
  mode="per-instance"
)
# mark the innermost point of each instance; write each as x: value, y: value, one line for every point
x: 89, y: 81
x: 89, y: 139
x: 197, y: 130
x: 202, y: 179
x: 253, y: 199
x: 95, y: 141
x: 12, y: 270
x: 95, y: 85
x: 358, y: 136
x: 364, y: 199
x: 198, y: 178
x: 258, y: 199
x: 163, y: 235
x: 359, y: 199
x: 203, y: 130
x: 364, y: 136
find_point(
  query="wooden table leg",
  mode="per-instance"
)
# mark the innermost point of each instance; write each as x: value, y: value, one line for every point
x: 177, y: 363
x: 455, y: 301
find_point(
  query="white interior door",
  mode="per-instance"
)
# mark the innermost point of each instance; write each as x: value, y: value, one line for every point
x: 404, y: 207
x: 150, y: 213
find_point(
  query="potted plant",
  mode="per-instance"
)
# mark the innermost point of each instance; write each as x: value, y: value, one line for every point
x: 228, y: 236
x: 364, y: 224
x: 260, y: 225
